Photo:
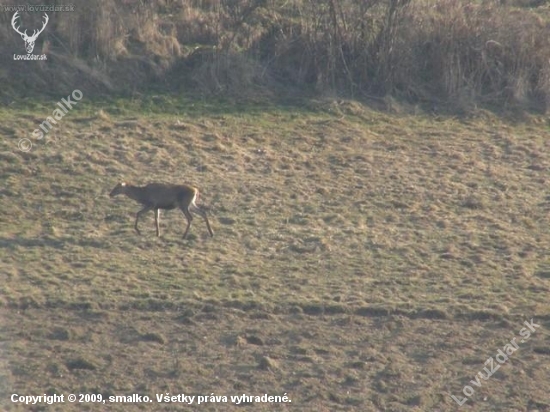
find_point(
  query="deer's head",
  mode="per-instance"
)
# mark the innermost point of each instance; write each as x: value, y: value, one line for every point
x: 29, y: 40
x: 119, y: 189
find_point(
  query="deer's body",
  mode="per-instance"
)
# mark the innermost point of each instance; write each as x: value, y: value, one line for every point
x: 160, y: 196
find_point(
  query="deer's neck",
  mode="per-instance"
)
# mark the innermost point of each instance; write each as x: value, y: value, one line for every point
x: 136, y: 193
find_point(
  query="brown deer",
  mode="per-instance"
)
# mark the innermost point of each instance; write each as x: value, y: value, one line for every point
x: 156, y: 196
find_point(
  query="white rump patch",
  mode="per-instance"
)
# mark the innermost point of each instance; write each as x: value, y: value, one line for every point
x: 123, y: 184
x: 195, y: 198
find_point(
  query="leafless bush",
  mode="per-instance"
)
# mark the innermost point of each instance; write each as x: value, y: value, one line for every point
x: 450, y: 51
x: 468, y: 53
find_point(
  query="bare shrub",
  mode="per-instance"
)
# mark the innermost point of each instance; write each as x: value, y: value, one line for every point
x: 453, y: 52
x: 468, y: 53
x: 213, y: 71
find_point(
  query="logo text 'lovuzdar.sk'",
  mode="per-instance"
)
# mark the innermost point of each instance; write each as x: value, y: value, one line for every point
x: 29, y: 40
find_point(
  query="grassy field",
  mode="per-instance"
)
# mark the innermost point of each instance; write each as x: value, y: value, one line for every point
x: 362, y: 261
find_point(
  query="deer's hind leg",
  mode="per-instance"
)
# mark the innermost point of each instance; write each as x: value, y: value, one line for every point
x: 157, y: 220
x: 201, y: 212
x: 189, y: 218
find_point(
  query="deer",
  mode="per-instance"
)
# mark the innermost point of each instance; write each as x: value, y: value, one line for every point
x: 29, y: 40
x: 157, y: 196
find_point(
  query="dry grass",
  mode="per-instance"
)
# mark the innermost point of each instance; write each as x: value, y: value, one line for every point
x: 454, y: 53
x: 361, y: 261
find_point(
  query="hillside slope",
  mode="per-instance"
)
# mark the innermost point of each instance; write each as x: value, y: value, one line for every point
x: 361, y: 261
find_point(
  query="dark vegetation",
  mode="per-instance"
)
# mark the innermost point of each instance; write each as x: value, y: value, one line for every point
x: 449, y: 53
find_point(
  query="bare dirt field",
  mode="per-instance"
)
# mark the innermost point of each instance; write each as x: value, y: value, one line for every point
x: 361, y: 261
